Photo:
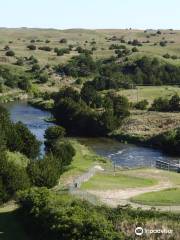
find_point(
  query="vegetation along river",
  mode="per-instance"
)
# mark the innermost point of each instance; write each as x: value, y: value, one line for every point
x: 125, y: 155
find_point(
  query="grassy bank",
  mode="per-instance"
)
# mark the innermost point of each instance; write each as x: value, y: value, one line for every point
x: 103, y: 181
x: 82, y: 162
x: 168, y: 197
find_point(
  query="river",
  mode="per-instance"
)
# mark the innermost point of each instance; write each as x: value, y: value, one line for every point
x: 125, y: 155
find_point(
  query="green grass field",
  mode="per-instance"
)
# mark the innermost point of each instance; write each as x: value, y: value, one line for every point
x: 162, y: 198
x: 149, y: 92
x: 104, y: 181
x: 18, y: 39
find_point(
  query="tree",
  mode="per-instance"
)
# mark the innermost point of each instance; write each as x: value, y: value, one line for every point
x: 160, y: 104
x: 67, y: 92
x: 63, y: 152
x: 19, y: 138
x: 90, y: 95
x: 174, y: 103
x: 120, y: 106
x: 44, y: 172
x: 12, y: 178
x: 52, y: 134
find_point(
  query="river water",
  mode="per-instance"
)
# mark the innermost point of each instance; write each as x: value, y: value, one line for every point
x: 125, y: 155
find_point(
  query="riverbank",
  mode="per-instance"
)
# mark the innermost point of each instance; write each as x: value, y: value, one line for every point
x: 13, y: 95
x: 42, y: 104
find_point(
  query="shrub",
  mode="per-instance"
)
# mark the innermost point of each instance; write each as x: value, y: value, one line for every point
x: 10, y: 53
x: 44, y: 172
x: 20, y: 61
x: 63, y: 40
x: 45, y: 48
x: 35, y: 67
x: 52, y: 134
x: 135, y: 49
x: 12, y: 178
x: 53, y: 217
x: 142, y: 105
x: 43, y: 78
x: 31, y: 47
x: 166, y: 55
x: 163, y: 43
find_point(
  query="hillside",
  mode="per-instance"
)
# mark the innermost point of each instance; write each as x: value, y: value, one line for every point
x: 18, y: 39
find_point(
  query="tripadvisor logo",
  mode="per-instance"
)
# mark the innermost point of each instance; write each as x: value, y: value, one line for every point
x: 139, y: 231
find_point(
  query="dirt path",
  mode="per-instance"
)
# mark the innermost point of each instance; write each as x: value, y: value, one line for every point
x: 77, y: 182
x: 122, y: 196
x: 116, y: 197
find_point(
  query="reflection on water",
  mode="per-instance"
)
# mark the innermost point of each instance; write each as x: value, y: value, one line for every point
x: 126, y: 155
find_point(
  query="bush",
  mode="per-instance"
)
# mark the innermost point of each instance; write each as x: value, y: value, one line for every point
x: 44, y: 172
x: 166, y: 55
x: 142, y: 105
x: 165, y: 105
x: 63, y: 40
x: 52, y: 134
x: 20, y: 61
x: 43, y: 78
x: 20, y: 139
x: 135, y: 49
x: 45, y: 48
x: 163, y: 43
x: 12, y: 178
x: 10, y: 53
x: 31, y: 47
x: 79, y: 66
x: 52, y: 217
x: 35, y: 67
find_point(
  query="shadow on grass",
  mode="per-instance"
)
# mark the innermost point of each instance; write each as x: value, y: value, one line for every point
x: 10, y: 227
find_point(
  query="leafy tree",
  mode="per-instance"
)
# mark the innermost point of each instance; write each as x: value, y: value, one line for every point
x: 12, y: 178
x: 79, y: 66
x: 67, y: 92
x: 19, y: 138
x: 52, y: 134
x: 160, y: 104
x: 174, y: 103
x: 91, y: 96
x: 52, y: 217
x: 44, y: 172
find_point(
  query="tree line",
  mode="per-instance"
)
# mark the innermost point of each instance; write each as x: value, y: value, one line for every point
x: 37, y: 171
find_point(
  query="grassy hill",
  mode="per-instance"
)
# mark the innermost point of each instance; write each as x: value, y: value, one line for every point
x: 18, y: 39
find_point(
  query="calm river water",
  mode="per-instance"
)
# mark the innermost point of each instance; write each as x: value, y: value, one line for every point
x: 125, y: 155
